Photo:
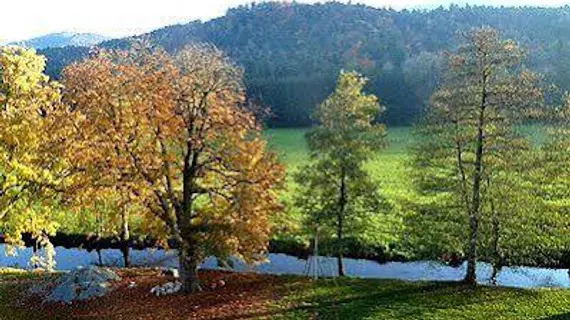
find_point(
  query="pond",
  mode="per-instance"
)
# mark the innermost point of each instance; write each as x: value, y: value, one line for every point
x: 521, y: 277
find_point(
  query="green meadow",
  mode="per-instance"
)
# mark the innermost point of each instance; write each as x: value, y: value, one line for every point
x: 389, y: 167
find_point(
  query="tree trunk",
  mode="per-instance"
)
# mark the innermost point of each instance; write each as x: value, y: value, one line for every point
x: 125, y: 238
x: 126, y: 254
x: 497, y: 257
x: 189, y: 271
x: 341, y: 272
x: 340, y: 226
x: 471, y: 276
x: 100, y: 257
x: 35, y: 253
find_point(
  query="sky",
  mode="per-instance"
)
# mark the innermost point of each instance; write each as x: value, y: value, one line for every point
x: 24, y: 19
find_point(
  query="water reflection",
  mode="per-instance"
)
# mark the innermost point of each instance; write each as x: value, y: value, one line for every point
x: 522, y: 277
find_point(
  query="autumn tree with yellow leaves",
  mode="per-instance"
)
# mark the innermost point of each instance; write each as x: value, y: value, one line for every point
x: 32, y: 170
x: 173, y: 135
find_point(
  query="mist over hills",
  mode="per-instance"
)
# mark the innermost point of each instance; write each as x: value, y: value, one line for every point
x: 63, y: 39
x: 292, y: 53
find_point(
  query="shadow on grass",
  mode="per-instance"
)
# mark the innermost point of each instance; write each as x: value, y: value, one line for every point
x: 564, y: 316
x: 365, y: 299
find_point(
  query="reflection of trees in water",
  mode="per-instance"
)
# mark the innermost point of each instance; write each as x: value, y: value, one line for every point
x: 278, y: 264
x: 539, y: 277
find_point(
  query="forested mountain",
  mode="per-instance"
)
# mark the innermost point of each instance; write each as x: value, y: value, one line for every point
x: 63, y: 39
x: 292, y: 53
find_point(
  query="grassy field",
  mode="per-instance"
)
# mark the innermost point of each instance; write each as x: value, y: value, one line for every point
x: 382, y: 299
x: 388, y: 167
x: 291, y: 145
x: 299, y: 298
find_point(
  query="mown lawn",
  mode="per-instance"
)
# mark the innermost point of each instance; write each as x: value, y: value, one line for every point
x: 385, y: 300
x: 388, y: 167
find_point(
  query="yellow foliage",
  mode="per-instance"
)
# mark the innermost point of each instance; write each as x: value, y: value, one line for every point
x: 172, y: 134
x: 31, y: 169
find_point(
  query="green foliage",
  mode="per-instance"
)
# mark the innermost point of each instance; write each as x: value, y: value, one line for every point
x: 470, y: 155
x: 336, y: 193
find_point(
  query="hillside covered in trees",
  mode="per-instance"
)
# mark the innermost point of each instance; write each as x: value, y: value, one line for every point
x: 292, y: 53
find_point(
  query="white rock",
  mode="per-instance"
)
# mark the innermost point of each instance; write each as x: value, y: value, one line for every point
x: 83, y: 284
x: 167, y: 288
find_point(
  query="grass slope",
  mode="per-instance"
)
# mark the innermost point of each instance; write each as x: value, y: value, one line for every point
x: 388, y: 168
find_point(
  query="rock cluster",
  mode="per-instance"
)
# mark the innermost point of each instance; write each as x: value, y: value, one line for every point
x: 167, y: 288
x: 83, y: 284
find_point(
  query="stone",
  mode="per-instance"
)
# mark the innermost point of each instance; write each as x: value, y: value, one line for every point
x: 171, y: 272
x: 166, y: 289
x: 83, y: 284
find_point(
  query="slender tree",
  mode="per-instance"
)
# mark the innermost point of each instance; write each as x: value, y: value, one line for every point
x: 335, y: 188
x: 469, y: 129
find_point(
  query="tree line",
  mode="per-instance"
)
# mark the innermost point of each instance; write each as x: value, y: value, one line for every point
x: 292, y: 53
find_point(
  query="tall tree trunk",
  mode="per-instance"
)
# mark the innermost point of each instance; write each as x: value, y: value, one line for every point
x: 189, y: 270
x: 35, y: 252
x: 471, y: 276
x: 98, y: 219
x: 340, y: 249
x: 340, y: 226
x: 125, y: 238
x: 497, y: 257
x: 100, y: 257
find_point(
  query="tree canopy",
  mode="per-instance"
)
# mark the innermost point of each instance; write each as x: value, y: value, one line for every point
x: 173, y: 133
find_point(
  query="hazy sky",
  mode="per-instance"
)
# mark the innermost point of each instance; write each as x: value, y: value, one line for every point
x: 23, y: 19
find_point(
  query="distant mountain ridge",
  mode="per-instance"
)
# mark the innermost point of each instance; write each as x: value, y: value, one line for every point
x: 62, y: 39
x: 292, y: 52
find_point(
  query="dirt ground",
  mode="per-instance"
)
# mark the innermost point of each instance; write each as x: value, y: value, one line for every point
x: 244, y: 296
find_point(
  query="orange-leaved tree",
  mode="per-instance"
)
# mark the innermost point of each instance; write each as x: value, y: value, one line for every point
x: 174, y: 132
